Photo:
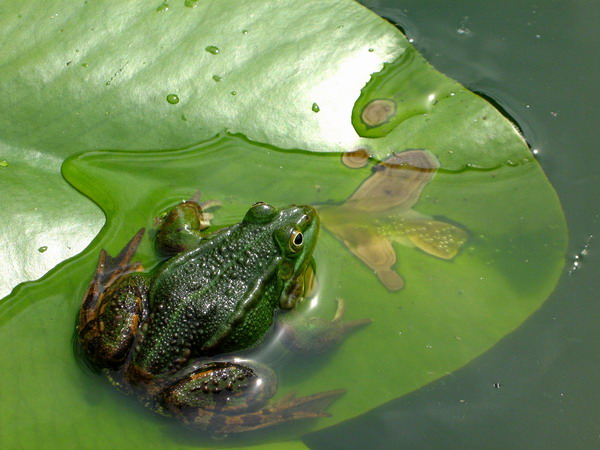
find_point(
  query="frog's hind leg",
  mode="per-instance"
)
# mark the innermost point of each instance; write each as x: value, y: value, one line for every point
x: 108, y: 270
x: 228, y: 397
x: 113, y: 307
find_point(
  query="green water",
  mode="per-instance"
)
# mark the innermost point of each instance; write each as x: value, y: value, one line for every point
x: 538, y: 61
x: 448, y: 312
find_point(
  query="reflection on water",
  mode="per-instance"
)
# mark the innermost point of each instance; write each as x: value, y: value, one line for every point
x: 579, y: 257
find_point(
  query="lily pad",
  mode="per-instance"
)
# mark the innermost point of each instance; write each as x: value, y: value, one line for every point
x: 403, y: 89
x: 100, y: 75
x: 100, y: 82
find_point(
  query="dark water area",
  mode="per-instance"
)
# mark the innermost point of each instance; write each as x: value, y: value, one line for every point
x: 537, y: 388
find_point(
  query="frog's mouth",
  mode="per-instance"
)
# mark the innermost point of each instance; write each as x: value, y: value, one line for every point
x: 300, y: 238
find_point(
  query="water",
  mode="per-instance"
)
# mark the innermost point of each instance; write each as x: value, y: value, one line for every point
x: 173, y: 99
x: 489, y: 289
x: 538, y: 387
x: 486, y: 293
x: 212, y: 50
x: 163, y: 7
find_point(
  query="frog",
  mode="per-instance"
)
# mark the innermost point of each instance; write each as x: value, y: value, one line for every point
x: 169, y: 335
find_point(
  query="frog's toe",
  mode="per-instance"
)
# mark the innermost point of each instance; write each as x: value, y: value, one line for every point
x: 289, y: 409
x: 114, y: 304
x: 108, y: 270
x: 205, y: 206
x: 111, y: 268
x: 316, y: 335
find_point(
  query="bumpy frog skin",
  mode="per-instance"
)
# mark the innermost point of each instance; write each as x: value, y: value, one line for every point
x: 153, y: 333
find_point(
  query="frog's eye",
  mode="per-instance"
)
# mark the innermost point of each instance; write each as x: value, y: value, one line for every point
x: 296, y: 240
x: 261, y: 213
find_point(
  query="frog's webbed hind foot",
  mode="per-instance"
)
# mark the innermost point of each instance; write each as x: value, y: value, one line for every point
x: 108, y: 270
x: 316, y: 335
x: 113, y: 307
x: 291, y: 408
x: 227, y: 397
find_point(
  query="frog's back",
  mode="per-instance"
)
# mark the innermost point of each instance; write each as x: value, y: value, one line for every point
x: 202, y: 298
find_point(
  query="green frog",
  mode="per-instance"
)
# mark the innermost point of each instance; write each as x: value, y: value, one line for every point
x: 157, y: 334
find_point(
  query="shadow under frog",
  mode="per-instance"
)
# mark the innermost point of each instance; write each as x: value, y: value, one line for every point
x: 380, y: 212
x: 153, y: 334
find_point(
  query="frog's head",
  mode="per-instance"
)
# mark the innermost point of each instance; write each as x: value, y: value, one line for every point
x: 295, y: 230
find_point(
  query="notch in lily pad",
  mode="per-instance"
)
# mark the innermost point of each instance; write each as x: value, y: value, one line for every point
x: 404, y: 88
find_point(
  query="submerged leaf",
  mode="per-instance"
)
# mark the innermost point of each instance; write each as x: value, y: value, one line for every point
x: 379, y: 212
x: 396, y: 182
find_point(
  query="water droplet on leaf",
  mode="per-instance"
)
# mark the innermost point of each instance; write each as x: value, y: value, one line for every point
x: 212, y: 49
x: 315, y: 107
x: 173, y: 99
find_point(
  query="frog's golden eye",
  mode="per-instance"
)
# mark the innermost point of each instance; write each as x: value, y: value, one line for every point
x: 296, y: 240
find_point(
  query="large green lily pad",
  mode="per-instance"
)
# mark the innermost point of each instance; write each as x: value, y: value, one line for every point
x: 289, y: 75
x: 98, y: 74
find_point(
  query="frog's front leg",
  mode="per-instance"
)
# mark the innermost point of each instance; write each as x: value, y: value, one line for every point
x: 182, y: 226
x: 313, y: 335
x: 114, y: 305
x: 230, y: 396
